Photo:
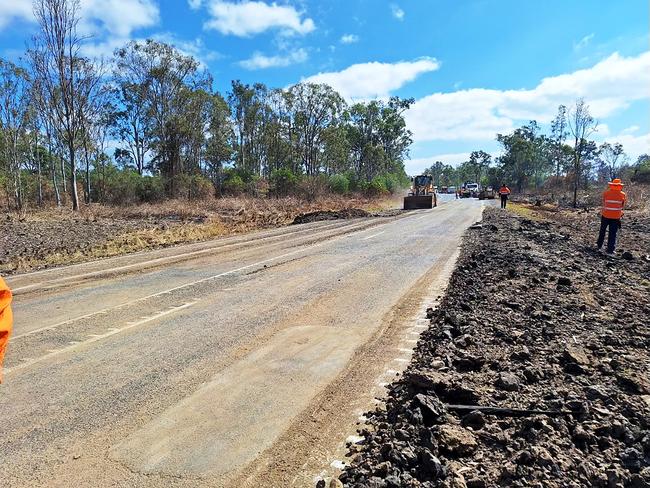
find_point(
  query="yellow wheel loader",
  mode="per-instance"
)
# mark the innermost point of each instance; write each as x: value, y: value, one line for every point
x: 421, y: 194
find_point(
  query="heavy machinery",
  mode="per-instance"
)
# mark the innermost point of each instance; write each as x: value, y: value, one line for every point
x: 487, y: 193
x: 469, y: 190
x: 421, y: 194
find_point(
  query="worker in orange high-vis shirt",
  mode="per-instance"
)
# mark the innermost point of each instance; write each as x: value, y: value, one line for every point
x: 6, y: 320
x: 504, y: 191
x: 611, y: 214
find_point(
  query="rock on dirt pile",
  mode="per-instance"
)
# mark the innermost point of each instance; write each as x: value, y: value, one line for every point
x: 555, y: 337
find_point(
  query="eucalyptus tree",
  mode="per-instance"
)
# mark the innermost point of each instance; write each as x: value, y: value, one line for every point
x: 67, y: 79
x: 15, y: 112
x: 581, y: 125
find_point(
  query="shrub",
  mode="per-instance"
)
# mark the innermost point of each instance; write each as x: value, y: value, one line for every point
x: 234, y: 185
x: 339, y: 184
x: 201, y: 188
x: 150, y: 189
x: 283, y: 182
x: 377, y: 186
x: 313, y: 187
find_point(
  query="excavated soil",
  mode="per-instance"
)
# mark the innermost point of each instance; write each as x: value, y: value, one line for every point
x: 553, y: 334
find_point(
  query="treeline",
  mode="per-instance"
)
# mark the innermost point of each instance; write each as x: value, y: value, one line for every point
x: 148, y: 125
x: 564, y: 158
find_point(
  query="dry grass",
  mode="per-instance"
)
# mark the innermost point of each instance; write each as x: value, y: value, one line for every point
x: 525, y: 210
x: 143, y: 227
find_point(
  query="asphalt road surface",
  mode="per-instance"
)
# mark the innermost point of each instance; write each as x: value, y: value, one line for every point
x: 189, y: 366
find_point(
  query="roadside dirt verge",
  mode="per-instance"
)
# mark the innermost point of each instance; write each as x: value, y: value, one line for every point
x: 58, y: 236
x: 554, y: 336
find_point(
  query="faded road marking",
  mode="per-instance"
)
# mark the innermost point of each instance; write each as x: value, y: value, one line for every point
x: 95, y: 338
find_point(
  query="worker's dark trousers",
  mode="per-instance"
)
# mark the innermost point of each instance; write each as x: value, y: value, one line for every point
x: 614, y: 225
x: 504, y: 199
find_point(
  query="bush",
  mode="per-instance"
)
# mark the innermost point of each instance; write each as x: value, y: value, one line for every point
x: 642, y: 173
x: 377, y: 186
x: 313, y: 187
x: 283, y: 182
x: 150, y: 189
x: 339, y: 184
x: 234, y: 185
x: 201, y: 188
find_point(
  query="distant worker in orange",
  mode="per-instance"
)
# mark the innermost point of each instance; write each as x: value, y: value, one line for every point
x: 6, y: 320
x: 504, y: 191
x: 610, y: 217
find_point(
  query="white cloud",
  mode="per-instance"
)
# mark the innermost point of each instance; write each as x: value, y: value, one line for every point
x: 195, y: 4
x: 584, y: 42
x: 397, y: 12
x: 11, y: 10
x: 254, y: 17
x: 630, y: 130
x: 117, y: 18
x: 478, y: 114
x: 633, y: 145
x: 192, y: 47
x: 374, y: 80
x: 418, y: 165
x: 349, y: 39
x: 260, y: 61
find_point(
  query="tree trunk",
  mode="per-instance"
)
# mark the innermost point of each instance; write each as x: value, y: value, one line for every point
x: 40, y: 173
x: 73, y: 180
x: 65, y: 189
x: 87, y: 186
x: 57, y: 194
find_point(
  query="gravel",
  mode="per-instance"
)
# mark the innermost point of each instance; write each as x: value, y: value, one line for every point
x: 534, y: 320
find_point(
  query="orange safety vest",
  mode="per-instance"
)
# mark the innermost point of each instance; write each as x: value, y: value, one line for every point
x: 6, y: 320
x: 504, y: 190
x: 613, y: 203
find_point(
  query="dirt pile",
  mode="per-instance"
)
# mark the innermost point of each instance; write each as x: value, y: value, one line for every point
x: 346, y: 213
x: 555, y: 337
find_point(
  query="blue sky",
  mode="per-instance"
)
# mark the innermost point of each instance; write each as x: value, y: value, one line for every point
x: 475, y: 67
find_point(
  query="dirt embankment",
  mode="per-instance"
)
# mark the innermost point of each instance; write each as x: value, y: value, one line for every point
x: 539, y: 325
x: 60, y: 236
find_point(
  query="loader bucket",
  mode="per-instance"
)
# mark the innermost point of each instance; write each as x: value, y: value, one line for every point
x: 420, y: 201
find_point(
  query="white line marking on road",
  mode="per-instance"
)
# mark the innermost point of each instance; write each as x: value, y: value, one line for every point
x: 403, y: 349
x: 411, y: 341
x: 75, y: 344
x: 374, y: 235
x: 402, y: 360
x: 176, y: 288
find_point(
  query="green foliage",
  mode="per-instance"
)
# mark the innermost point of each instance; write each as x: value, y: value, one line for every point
x: 378, y: 186
x: 234, y: 185
x: 339, y: 184
x: 283, y: 182
x: 642, y: 169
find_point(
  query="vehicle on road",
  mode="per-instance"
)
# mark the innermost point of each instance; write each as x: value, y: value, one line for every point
x: 487, y: 193
x: 451, y: 190
x: 421, y: 194
x: 473, y: 189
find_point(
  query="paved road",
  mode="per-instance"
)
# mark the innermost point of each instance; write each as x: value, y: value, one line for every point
x: 181, y: 367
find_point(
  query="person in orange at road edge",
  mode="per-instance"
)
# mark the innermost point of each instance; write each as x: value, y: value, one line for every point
x: 613, y: 203
x: 504, y: 191
x: 6, y: 320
